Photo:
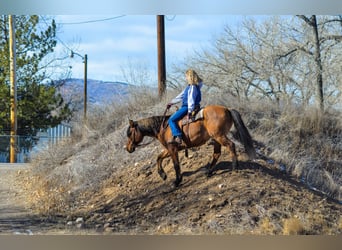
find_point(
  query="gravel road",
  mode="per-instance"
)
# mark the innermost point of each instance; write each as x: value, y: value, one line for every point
x: 15, y: 218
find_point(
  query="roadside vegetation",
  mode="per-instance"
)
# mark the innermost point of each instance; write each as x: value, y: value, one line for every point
x: 86, y: 175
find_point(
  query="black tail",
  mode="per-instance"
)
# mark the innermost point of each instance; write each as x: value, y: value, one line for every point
x: 244, y: 136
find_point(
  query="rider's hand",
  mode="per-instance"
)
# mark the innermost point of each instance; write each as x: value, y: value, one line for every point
x: 191, y: 115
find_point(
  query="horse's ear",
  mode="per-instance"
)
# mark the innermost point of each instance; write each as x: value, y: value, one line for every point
x: 131, y: 123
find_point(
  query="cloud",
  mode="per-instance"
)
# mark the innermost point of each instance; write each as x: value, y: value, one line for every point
x: 108, y: 44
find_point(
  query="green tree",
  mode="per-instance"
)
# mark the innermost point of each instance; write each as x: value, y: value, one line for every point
x: 39, y: 105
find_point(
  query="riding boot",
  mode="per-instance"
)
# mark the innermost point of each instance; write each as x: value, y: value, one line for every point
x: 176, y: 140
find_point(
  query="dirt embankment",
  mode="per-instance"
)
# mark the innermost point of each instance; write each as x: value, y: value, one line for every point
x: 258, y: 199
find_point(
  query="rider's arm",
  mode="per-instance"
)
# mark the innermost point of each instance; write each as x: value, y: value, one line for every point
x: 192, y: 94
x: 178, y: 98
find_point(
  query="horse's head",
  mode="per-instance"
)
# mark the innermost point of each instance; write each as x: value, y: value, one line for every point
x: 134, y: 136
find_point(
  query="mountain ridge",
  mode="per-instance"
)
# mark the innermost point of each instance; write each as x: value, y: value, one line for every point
x: 99, y: 92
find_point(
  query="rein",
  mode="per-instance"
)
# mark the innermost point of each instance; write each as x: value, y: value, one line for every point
x: 162, y: 127
x: 143, y: 144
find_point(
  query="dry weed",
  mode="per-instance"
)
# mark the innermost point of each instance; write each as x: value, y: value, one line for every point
x: 306, y: 140
x: 266, y: 227
x: 62, y: 174
x: 292, y: 226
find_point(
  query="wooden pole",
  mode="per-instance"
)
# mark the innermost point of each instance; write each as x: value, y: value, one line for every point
x: 161, y: 56
x: 85, y: 88
x: 13, y: 89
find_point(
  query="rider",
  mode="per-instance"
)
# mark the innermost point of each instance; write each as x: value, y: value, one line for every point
x: 190, y: 98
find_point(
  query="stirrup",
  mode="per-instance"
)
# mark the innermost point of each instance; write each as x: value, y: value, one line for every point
x: 178, y: 140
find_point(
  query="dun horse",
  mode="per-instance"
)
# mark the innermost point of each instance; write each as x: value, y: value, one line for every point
x: 215, y: 123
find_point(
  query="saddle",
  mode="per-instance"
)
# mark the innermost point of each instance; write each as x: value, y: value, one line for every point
x: 198, y: 116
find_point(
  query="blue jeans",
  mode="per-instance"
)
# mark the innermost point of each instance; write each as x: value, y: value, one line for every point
x: 173, y: 120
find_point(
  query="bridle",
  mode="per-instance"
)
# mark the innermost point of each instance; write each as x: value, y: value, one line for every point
x: 136, y: 127
x: 133, y: 134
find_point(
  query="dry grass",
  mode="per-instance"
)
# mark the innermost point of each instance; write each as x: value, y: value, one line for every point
x: 293, y: 226
x: 64, y: 177
x: 307, y: 142
x: 65, y: 172
x: 266, y: 227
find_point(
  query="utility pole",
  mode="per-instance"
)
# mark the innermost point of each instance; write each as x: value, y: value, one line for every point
x: 85, y: 83
x: 161, y: 55
x: 85, y: 94
x: 13, y: 89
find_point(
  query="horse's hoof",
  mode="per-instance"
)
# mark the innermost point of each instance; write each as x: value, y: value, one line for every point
x: 235, y: 166
x: 209, y: 173
x: 162, y: 175
x: 177, y: 182
x: 235, y: 170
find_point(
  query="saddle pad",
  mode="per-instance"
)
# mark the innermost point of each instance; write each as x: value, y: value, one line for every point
x: 198, y: 116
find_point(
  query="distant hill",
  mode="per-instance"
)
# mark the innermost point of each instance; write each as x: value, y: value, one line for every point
x: 98, y: 92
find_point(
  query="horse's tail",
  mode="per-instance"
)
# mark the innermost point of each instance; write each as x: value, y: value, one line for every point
x: 244, y: 136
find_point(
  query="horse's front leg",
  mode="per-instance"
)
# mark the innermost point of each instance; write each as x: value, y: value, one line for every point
x: 164, y: 154
x: 173, y: 151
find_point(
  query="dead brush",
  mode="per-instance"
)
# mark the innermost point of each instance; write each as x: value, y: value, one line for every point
x: 292, y: 226
x: 306, y: 141
x: 80, y: 165
x: 266, y: 227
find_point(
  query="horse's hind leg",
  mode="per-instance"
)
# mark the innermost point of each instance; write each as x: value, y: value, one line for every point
x: 216, y: 156
x: 224, y: 141
x: 164, y: 154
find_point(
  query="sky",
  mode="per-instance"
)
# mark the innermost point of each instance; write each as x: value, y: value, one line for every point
x: 113, y: 42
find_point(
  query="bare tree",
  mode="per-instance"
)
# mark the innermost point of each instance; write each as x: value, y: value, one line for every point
x: 278, y: 58
x: 318, y: 39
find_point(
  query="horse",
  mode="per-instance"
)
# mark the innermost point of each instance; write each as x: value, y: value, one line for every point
x: 215, y: 124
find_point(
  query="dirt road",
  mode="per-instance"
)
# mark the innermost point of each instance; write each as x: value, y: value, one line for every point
x: 15, y: 217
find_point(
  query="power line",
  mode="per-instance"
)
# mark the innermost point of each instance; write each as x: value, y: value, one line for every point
x: 93, y: 21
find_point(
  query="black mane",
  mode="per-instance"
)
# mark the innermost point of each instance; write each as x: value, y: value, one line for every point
x: 151, y: 126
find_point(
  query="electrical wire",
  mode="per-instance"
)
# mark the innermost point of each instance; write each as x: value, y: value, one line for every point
x: 93, y: 21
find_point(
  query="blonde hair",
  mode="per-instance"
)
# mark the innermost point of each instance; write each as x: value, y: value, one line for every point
x: 193, y: 77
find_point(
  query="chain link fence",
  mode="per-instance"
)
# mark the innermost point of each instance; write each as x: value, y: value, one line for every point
x: 26, y: 145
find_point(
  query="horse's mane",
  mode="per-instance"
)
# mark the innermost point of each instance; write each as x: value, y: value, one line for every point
x: 151, y: 125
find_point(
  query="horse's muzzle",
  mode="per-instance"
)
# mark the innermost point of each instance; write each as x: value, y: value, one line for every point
x: 130, y: 149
